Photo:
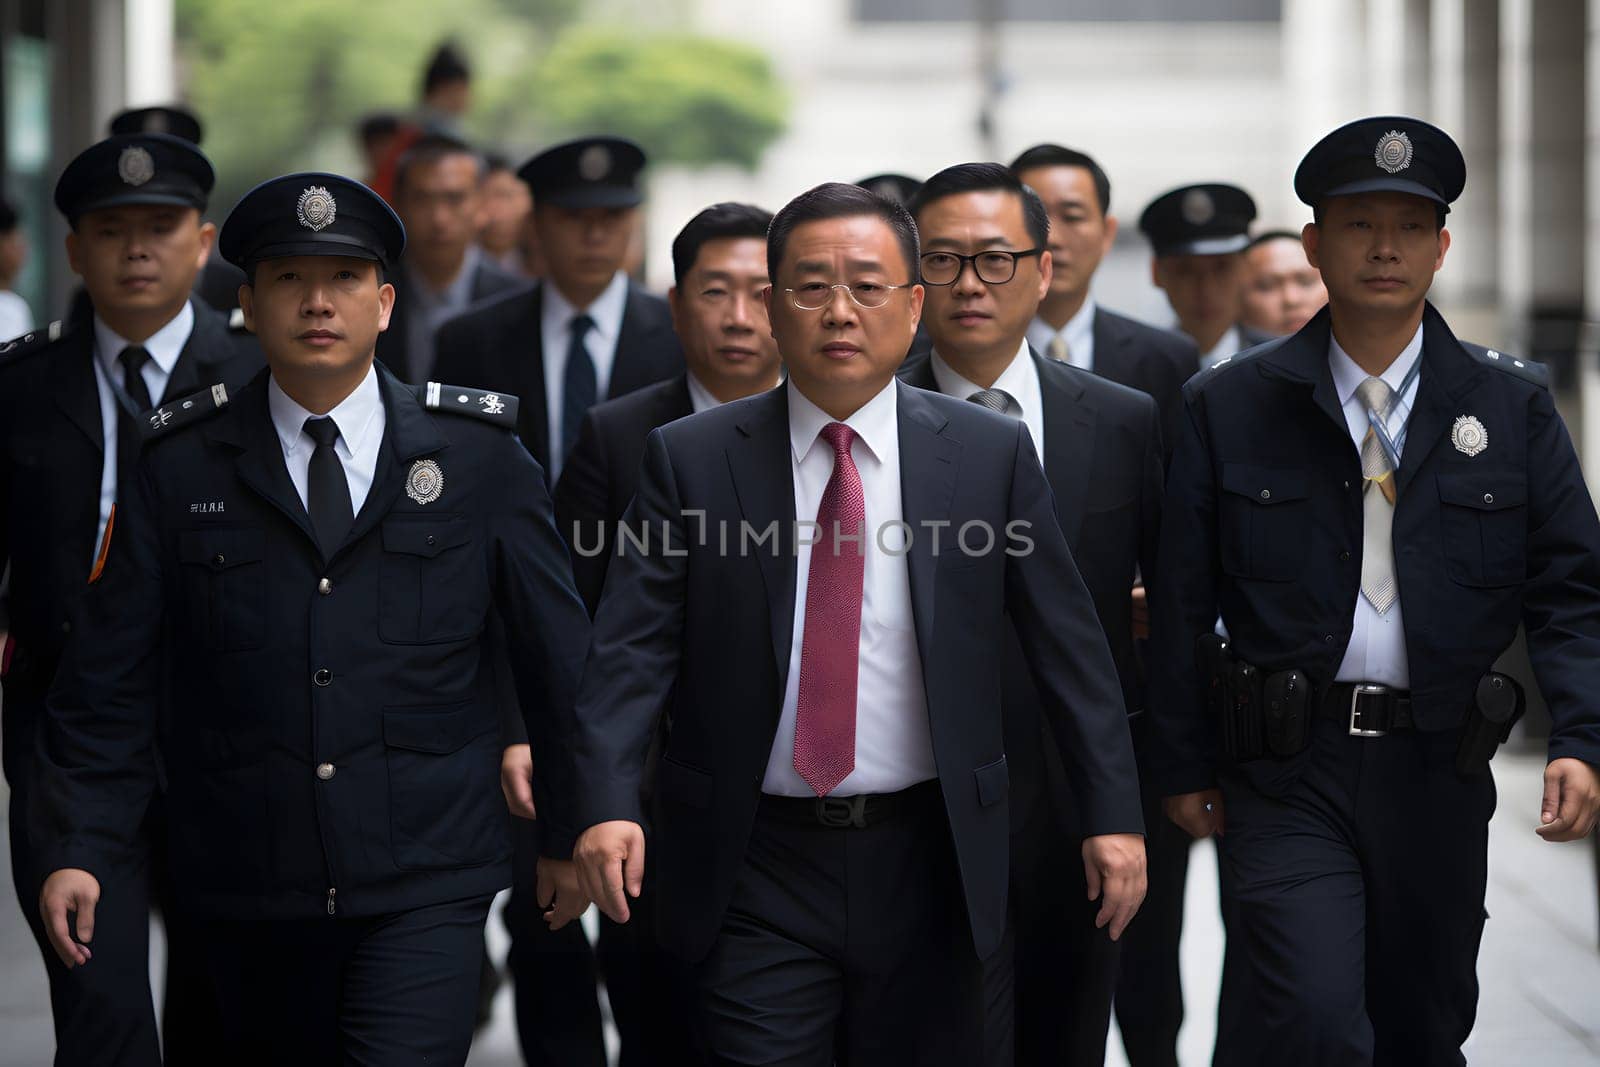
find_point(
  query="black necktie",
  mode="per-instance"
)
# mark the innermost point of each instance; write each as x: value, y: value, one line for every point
x: 327, y: 492
x: 580, y: 388
x: 133, y: 358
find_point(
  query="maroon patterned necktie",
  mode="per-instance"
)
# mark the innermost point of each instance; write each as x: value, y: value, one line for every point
x: 825, y: 714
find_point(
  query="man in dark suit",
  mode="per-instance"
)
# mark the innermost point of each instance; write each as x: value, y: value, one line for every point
x: 1070, y: 326
x: 1372, y: 507
x: 832, y: 836
x: 289, y: 635
x: 72, y: 396
x: 438, y: 195
x: 585, y: 332
x: 985, y: 267
x: 720, y: 264
x: 1197, y: 235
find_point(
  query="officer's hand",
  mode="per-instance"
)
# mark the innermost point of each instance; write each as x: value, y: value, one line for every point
x: 1115, y: 863
x: 66, y: 891
x: 1571, y: 800
x: 560, y: 896
x: 1141, y: 613
x: 516, y: 780
x: 610, y: 857
x: 1200, y: 814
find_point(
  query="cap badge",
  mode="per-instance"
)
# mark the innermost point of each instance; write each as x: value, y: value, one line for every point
x: 1469, y: 436
x: 155, y: 122
x: 135, y: 166
x: 316, y: 208
x: 1393, y: 153
x: 594, y: 162
x: 425, y: 483
x: 1198, y: 208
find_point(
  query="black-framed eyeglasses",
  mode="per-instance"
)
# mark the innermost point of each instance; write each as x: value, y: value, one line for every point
x: 994, y: 267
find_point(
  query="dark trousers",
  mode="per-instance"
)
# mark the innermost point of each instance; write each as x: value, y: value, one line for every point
x: 850, y: 946
x: 1360, y: 867
x: 1066, y: 969
x: 555, y: 974
x: 385, y: 991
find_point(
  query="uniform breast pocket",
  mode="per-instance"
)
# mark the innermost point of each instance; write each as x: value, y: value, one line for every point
x: 432, y: 583
x: 1263, y: 521
x: 1483, y: 520
x: 225, y: 587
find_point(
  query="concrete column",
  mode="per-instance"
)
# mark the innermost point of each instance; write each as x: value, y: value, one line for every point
x: 149, y: 77
x: 1466, y: 104
x: 1325, y: 70
x: 1398, y: 57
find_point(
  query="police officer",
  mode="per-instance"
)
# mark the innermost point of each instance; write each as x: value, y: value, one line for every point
x: 291, y: 618
x: 71, y: 396
x: 1372, y: 507
x: 1198, y: 234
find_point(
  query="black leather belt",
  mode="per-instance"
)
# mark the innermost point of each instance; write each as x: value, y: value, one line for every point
x: 1368, y: 709
x: 859, y: 811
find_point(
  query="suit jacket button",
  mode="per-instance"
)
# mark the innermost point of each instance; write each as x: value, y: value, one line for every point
x: 323, y: 677
x: 324, y: 587
x: 219, y: 559
x: 1266, y: 494
x: 431, y: 539
x: 1488, y: 498
x: 1327, y: 639
x: 325, y: 771
x: 1344, y: 557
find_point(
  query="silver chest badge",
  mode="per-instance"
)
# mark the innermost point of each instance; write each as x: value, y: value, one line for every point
x: 425, y: 483
x: 1393, y: 152
x: 135, y: 166
x: 1469, y: 436
x: 316, y: 209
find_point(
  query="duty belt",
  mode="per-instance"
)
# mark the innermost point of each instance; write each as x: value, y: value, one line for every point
x: 1369, y: 709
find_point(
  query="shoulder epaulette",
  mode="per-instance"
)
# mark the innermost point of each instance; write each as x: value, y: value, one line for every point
x: 236, y: 320
x: 498, y: 408
x: 176, y: 414
x: 1526, y: 369
x: 32, y: 342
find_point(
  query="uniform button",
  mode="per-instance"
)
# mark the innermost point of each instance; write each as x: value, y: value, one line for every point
x: 1327, y: 639
x: 1266, y: 494
x: 324, y: 587
x: 66, y: 627
x: 1488, y: 498
x: 323, y: 677
x: 325, y: 771
x: 1347, y: 484
x: 430, y: 539
x: 1344, y: 557
x: 219, y: 559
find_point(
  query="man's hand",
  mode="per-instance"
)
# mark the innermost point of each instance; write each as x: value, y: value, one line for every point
x: 1571, y: 800
x: 1141, y: 614
x: 65, y: 891
x: 1115, y: 863
x: 610, y: 858
x: 558, y: 892
x: 1200, y: 814
x: 516, y: 781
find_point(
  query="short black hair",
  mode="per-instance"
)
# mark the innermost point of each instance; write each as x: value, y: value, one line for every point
x: 494, y: 161
x: 1439, y: 212
x: 1054, y: 155
x: 984, y: 177
x: 377, y: 125
x: 715, y: 223
x: 1272, y: 235
x: 8, y: 216
x: 430, y: 148
x: 837, y: 200
x: 445, y: 66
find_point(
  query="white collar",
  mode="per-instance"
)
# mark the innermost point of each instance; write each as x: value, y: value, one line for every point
x: 354, y: 415
x: 1348, y: 375
x: 1079, y: 330
x: 1013, y: 381
x: 164, y: 346
x: 875, y: 422
x: 606, y: 310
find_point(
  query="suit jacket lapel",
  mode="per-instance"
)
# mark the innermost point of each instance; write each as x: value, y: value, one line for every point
x: 533, y: 418
x: 928, y: 465
x: 247, y: 426
x: 1303, y: 358
x: 77, y: 391
x: 1069, y: 424
x: 763, y: 483
x: 1447, y: 374
x: 1108, y: 342
x: 636, y: 343
x: 198, y: 364
x: 409, y: 432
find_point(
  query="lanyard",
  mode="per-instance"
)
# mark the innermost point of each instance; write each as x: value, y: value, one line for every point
x: 1392, y: 446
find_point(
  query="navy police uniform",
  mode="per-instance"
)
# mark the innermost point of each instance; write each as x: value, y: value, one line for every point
x: 1357, y: 813
x: 53, y: 445
x: 321, y: 712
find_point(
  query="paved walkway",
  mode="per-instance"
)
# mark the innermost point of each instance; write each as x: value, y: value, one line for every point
x: 1539, y: 968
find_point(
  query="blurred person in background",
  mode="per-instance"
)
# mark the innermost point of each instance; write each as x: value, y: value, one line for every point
x: 507, y: 207
x: 376, y: 134
x: 1282, y: 289
x: 16, y: 318
x: 446, y: 96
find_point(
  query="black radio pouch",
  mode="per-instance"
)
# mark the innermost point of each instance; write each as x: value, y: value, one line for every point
x: 1286, y: 700
x: 1496, y: 707
x: 1242, y: 725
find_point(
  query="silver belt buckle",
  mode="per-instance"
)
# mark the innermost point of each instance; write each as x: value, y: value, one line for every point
x: 1364, y: 689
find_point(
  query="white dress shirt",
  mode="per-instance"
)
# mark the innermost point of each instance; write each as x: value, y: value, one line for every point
x: 1377, y: 650
x: 1020, y: 381
x: 1227, y: 345
x: 555, y: 329
x: 894, y: 746
x: 164, y: 346
x: 1078, y: 333
x: 700, y: 398
x: 360, y: 418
